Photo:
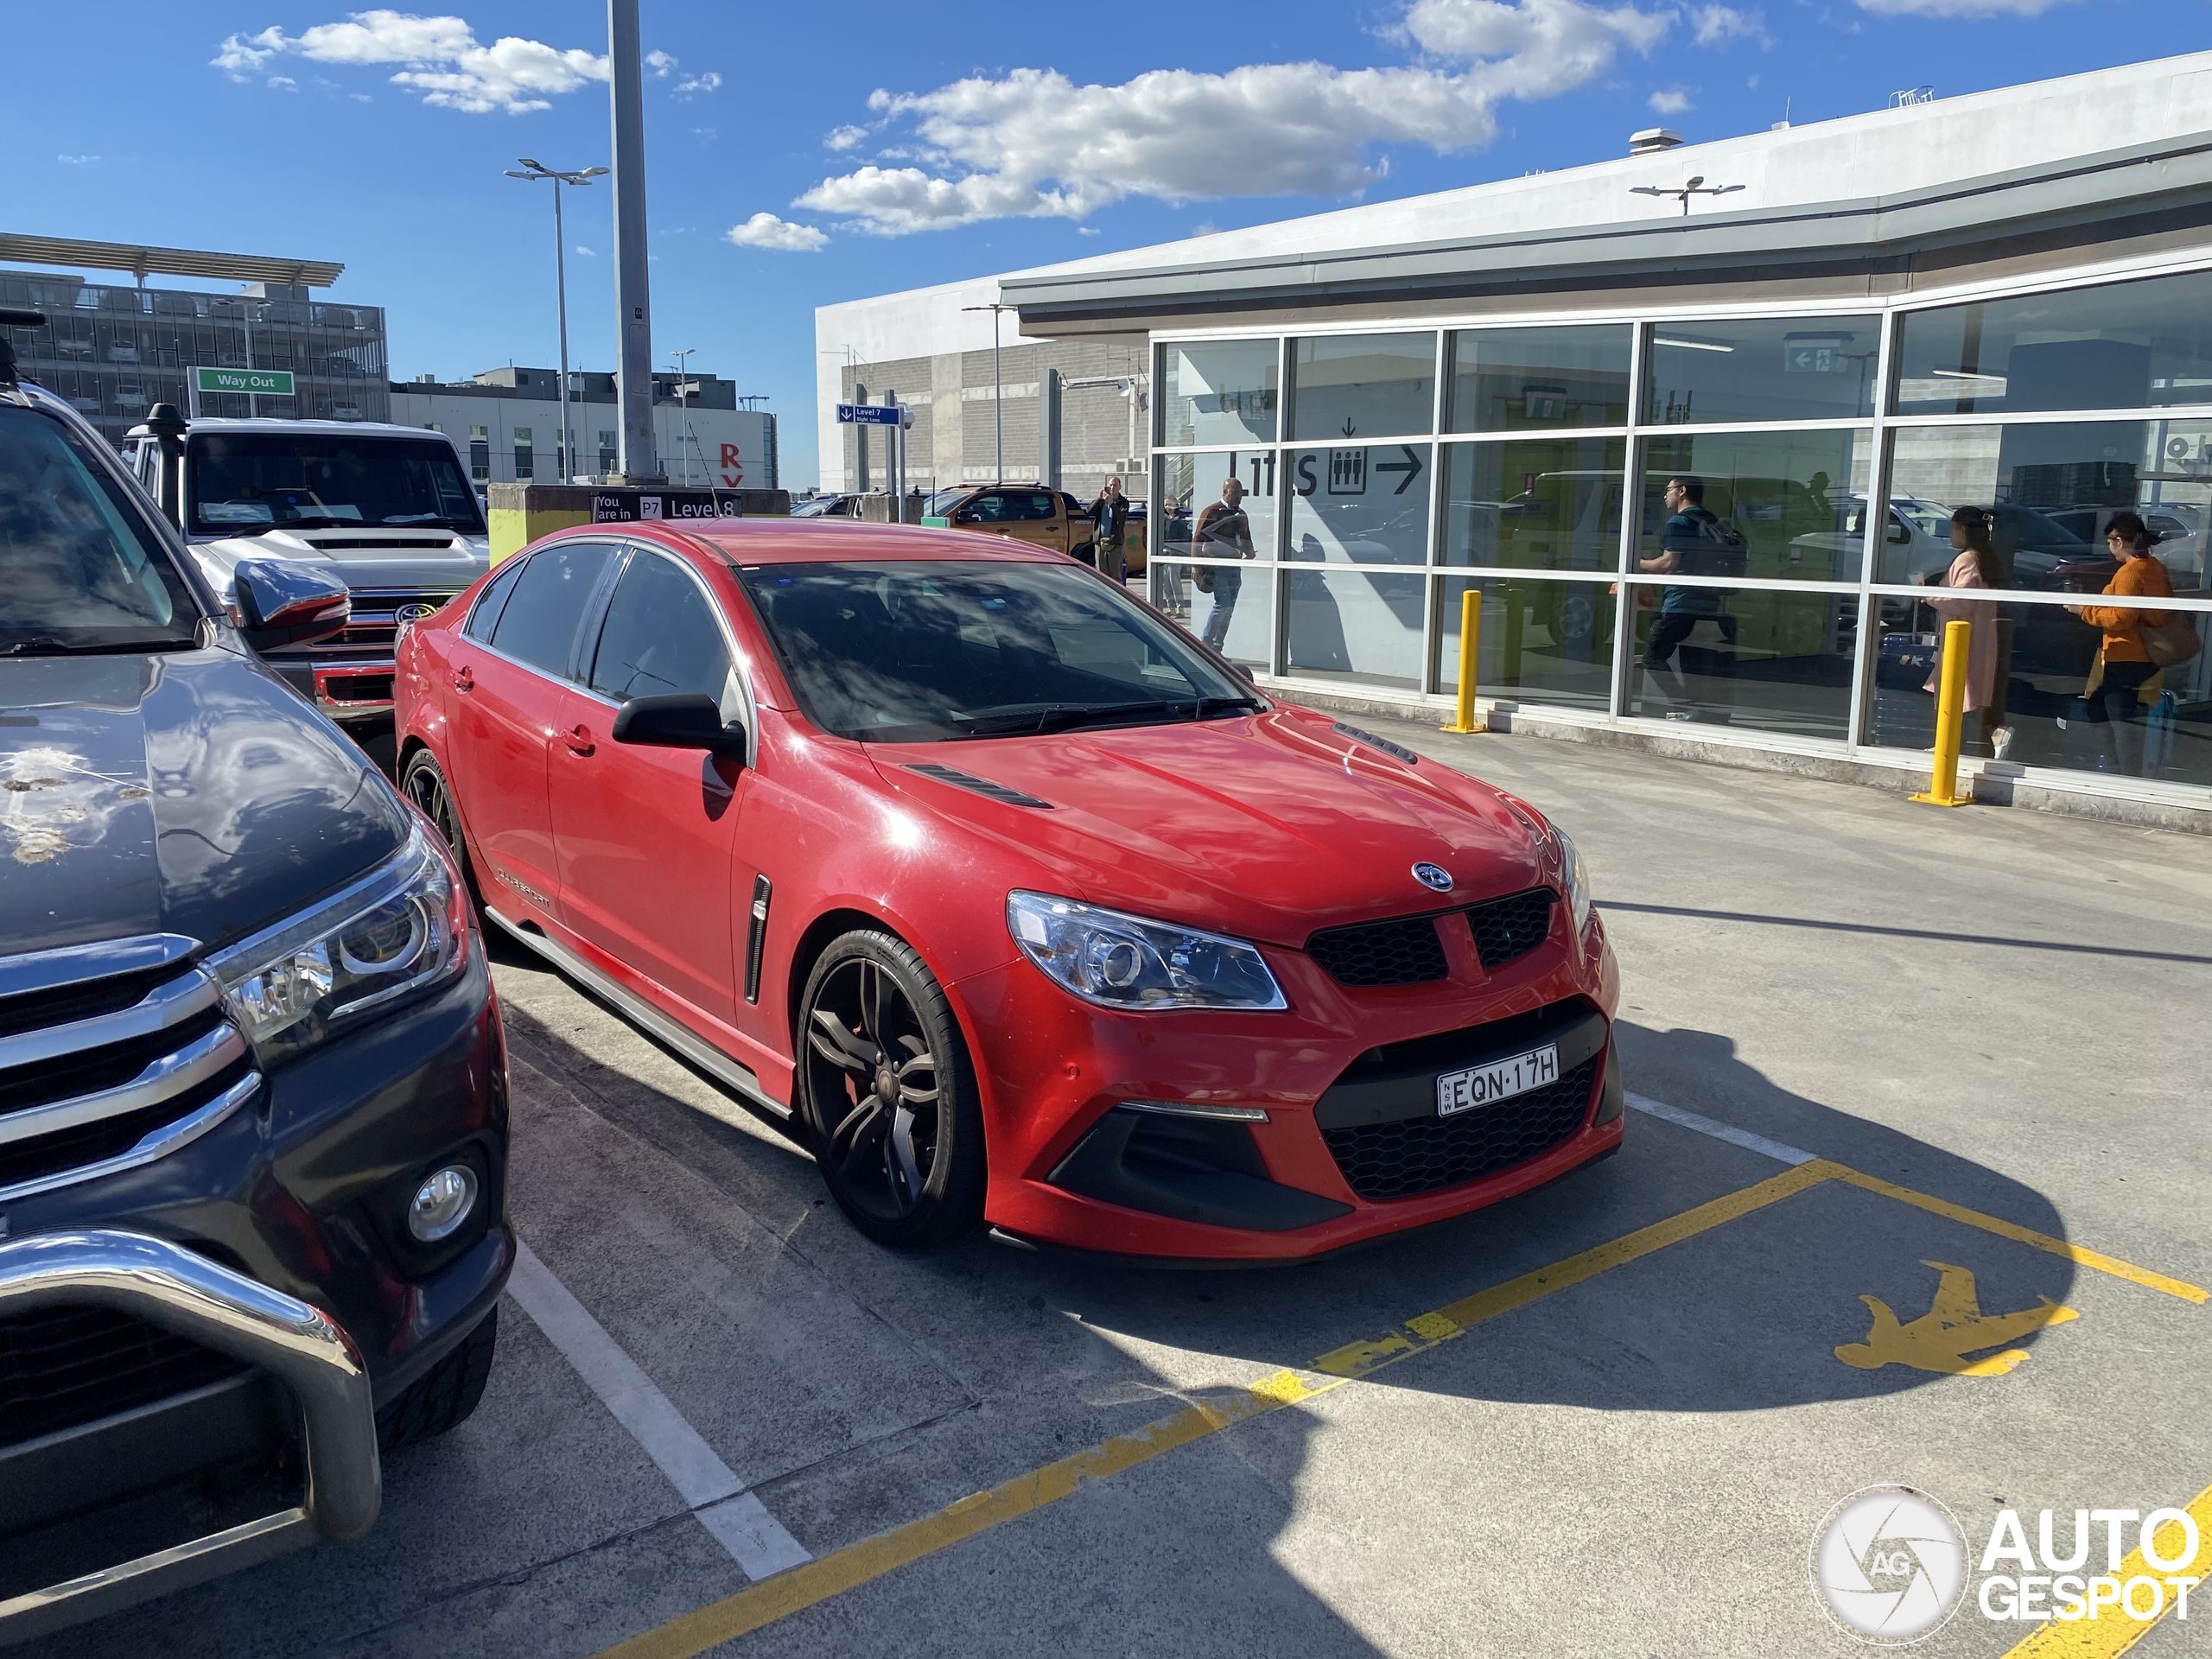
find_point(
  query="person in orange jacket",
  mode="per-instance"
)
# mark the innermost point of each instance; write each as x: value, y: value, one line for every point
x: 2127, y: 666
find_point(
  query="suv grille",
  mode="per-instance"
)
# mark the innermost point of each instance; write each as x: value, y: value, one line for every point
x: 1406, y: 951
x: 1508, y: 929
x: 107, y: 1062
x: 372, y: 634
x: 1422, y: 1154
x: 63, y: 1366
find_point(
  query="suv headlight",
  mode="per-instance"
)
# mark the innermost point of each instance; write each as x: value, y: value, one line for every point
x: 1578, y: 879
x: 404, y: 927
x: 1126, y: 961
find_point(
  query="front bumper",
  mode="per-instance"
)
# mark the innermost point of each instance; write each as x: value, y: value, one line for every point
x: 173, y: 1289
x: 1072, y: 1166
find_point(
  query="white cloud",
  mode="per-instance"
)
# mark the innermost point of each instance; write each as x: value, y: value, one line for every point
x: 707, y: 82
x: 76, y: 161
x: 844, y: 137
x: 282, y: 84
x: 1669, y: 100
x: 1032, y: 143
x: 588, y: 253
x: 1718, y: 25
x: 660, y: 63
x: 779, y: 235
x: 1959, y: 8
x: 443, y: 60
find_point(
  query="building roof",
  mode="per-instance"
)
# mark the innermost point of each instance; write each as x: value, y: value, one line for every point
x: 142, y: 260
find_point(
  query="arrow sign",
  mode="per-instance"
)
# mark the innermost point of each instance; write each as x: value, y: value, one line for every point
x: 1410, y: 466
x: 867, y: 415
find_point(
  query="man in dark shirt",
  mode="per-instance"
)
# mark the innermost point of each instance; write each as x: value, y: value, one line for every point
x: 1223, y: 531
x: 1690, y: 529
x: 1109, y: 523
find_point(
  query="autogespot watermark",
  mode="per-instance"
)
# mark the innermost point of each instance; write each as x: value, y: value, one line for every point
x: 1891, y: 1564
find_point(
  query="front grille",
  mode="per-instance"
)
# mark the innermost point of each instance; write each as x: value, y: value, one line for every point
x: 1423, y: 1154
x: 1508, y: 929
x: 61, y: 1367
x: 112, y: 1065
x: 371, y: 633
x: 1403, y: 951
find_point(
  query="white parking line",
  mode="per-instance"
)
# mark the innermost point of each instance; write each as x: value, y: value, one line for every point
x: 738, y: 1520
x: 1720, y: 1131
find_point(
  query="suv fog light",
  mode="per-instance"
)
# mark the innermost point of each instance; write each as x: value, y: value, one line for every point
x: 443, y: 1202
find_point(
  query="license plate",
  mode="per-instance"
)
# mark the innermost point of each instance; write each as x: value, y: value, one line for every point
x: 1485, y: 1085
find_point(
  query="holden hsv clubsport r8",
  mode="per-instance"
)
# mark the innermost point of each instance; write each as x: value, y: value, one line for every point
x: 1013, y: 902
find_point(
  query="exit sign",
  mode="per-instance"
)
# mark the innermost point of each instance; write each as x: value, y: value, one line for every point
x: 259, y: 382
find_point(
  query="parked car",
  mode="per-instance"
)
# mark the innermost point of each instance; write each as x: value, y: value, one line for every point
x: 253, y: 1117
x: 827, y: 507
x: 1012, y: 903
x: 1035, y: 513
x: 387, y: 509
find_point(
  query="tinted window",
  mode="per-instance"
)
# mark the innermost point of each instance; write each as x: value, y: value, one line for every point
x: 914, y: 652
x: 85, y: 570
x: 251, y: 481
x: 1362, y: 385
x: 660, y: 636
x: 538, y: 623
x: 2119, y: 346
x: 486, y: 616
x: 1507, y: 378
x: 1772, y: 369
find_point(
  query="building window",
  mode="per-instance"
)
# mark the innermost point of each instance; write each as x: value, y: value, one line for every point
x: 1765, y: 369
x: 608, y: 456
x: 1362, y: 385
x: 1218, y: 392
x: 480, y: 454
x: 1516, y: 380
x: 525, y: 455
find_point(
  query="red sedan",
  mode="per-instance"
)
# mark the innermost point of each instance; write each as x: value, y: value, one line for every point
x: 1015, y: 904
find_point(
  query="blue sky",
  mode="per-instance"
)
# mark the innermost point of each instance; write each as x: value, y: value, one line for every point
x: 864, y: 147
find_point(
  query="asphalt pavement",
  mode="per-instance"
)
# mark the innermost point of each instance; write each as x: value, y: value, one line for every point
x: 1875, y: 1044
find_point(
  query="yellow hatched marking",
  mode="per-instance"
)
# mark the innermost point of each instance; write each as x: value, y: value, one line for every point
x: 2112, y: 1632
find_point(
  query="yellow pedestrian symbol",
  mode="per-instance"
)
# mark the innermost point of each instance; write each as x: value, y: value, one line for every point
x: 1953, y: 1327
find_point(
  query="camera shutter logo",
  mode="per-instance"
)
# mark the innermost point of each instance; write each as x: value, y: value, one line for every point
x: 1889, y: 1565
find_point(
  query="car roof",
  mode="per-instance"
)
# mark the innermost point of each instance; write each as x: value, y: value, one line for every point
x: 827, y: 541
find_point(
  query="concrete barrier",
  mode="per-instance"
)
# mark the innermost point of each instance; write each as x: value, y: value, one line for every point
x: 521, y: 513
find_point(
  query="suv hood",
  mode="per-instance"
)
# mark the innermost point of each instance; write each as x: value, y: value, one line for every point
x: 1266, y: 827
x: 364, y: 559
x: 185, y: 792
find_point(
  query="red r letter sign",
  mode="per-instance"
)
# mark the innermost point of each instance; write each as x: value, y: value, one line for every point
x: 729, y: 454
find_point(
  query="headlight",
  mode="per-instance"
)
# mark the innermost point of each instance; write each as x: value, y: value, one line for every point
x: 404, y: 927
x: 1578, y: 879
x: 1126, y: 961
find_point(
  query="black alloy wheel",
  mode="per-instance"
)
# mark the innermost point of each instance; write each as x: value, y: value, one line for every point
x: 888, y: 1094
x: 424, y: 784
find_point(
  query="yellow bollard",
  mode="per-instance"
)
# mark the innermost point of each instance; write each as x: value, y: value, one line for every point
x: 1471, y: 633
x: 1950, y: 717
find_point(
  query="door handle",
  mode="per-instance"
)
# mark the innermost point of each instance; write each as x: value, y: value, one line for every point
x: 464, y: 680
x: 579, y: 740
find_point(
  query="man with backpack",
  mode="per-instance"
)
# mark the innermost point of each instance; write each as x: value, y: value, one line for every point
x: 1694, y: 543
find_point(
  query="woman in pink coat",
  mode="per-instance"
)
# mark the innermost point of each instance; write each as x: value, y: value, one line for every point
x: 1976, y: 565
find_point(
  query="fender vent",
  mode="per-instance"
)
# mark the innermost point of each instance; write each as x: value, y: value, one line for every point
x: 1396, y: 751
x: 978, y: 785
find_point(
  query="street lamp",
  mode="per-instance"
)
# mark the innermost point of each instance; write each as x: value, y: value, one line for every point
x: 1695, y: 186
x: 538, y: 170
x: 998, y: 386
x: 683, y: 396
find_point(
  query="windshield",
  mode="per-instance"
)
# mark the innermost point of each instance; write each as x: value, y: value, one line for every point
x: 923, y: 650
x: 816, y: 508
x: 941, y: 504
x: 79, y: 568
x: 246, y: 482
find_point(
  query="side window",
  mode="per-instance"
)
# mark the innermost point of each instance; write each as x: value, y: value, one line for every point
x: 660, y: 637
x: 484, y: 616
x: 1030, y: 504
x: 537, y: 625
x: 989, y: 508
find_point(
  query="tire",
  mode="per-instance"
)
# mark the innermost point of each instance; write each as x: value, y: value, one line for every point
x: 906, y: 1167
x: 443, y: 1396
x: 423, y: 782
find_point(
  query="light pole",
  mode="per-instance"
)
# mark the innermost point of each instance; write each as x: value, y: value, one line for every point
x: 998, y: 387
x: 683, y: 396
x: 539, y: 170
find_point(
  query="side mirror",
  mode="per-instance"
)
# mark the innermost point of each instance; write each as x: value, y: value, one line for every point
x: 1898, y: 533
x: 683, y: 720
x: 280, y: 603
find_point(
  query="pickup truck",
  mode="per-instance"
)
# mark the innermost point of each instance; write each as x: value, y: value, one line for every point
x: 253, y: 1102
x: 387, y: 509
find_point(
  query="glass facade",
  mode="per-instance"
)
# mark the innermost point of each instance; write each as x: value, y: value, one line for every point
x: 115, y: 351
x: 1739, y: 523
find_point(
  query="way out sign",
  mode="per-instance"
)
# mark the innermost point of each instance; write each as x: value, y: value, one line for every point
x: 260, y: 383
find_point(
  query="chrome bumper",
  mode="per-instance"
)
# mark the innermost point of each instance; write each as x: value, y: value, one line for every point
x: 170, y: 1287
